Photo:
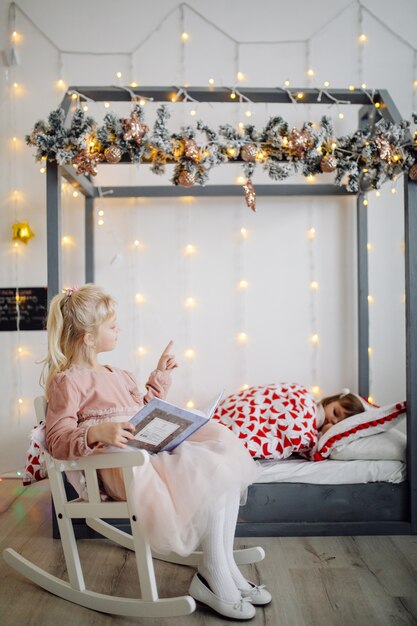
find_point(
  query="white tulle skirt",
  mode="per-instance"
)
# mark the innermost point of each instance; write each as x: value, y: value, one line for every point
x: 177, y: 489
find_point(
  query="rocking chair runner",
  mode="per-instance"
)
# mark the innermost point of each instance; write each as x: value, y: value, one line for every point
x: 94, y: 510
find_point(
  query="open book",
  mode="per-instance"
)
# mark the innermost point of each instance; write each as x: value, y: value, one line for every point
x: 160, y: 425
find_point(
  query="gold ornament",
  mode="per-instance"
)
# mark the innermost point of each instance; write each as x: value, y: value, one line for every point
x: 384, y: 148
x: 249, y: 152
x: 328, y: 163
x: 412, y: 172
x: 22, y: 232
x: 250, y: 195
x: 186, y: 179
x: 192, y: 151
x: 133, y: 128
x: 113, y: 154
x: 86, y: 162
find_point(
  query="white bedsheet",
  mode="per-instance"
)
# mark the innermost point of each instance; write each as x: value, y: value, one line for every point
x: 330, y: 472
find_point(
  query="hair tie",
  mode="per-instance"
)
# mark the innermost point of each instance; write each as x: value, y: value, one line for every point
x: 70, y: 290
x: 345, y: 392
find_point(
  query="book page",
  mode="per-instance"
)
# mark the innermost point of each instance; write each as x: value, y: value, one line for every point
x: 156, y: 431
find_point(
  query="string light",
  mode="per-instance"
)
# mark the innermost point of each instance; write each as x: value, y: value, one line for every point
x: 75, y: 194
x: 287, y: 83
x: 314, y: 285
x: 244, y: 387
x: 243, y: 284
x: 369, y: 247
x: 134, y: 85
x: 248, y: 113
x: 378, y: 194
x: 315, y: 389
x: 351, y: 88
x: 190, y: 249
x: 362, y: 38
x: 240, y: 76
x: 190, y: 302
x: 244, y: 232
x: 314, y: 338
x: 370, y: 351
x: 300, y: 95
x: 140, y: 298
x: 371, y: 299
x: 365, y: 202
x: 100, y: 222
x: 190, y: 404
x: 189, y: 353
x: 326, y: 83
x: 311, y: 233
x: 211, y: 81
x: 107, y: 105
x: 119, y: 74
x: 240, y: 180
x: 233, y: 95
x: 142, y: 351
x: 185, y: 36
x: 242, y: 337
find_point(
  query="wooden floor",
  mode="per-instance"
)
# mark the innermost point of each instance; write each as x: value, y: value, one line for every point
x: 315, y: 581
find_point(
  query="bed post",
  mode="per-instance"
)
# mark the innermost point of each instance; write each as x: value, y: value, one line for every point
x: 53, y: 229
x: 89, y: 239
x: 410, y: 234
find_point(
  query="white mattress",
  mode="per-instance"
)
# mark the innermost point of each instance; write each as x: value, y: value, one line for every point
x: 330, y: 472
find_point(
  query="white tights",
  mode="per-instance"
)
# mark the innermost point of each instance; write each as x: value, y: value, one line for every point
x: 218, y: 566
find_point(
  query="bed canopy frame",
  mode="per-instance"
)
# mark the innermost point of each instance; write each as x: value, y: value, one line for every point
x: 281, y: 509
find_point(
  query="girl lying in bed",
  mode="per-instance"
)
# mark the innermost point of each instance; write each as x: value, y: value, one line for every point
x: 275, y: 421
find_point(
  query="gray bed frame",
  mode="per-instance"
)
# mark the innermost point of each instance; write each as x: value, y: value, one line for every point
x: 282, y: 509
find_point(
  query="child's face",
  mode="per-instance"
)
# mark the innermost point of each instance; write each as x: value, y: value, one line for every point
x: 334, y: 413
x: 107, y: 335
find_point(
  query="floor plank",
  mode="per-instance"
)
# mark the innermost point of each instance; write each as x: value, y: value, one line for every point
x: 315, y: 581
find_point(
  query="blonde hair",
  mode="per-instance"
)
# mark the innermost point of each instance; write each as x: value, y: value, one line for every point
x: 71, y: 316
x: 348, y: 401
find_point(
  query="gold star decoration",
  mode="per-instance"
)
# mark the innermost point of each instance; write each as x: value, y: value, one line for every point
x: 22, y: 232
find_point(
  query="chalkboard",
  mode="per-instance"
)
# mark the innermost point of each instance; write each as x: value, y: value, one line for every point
x: 23, y: 308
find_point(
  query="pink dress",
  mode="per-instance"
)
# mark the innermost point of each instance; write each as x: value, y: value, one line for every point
x: 177, y: 489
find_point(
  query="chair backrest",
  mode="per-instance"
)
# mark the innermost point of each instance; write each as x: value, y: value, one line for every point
x: 40, y: 408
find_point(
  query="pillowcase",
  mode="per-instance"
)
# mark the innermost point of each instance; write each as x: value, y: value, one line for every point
x: 273, y: 421
x: 389, y: 446
x: 374, y: 420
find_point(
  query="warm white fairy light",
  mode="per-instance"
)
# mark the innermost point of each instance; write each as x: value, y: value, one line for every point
x: 240, y: 180
x: 75, y: 194
x: 244, y: 232
x: 314, y: 338
x: 365, y: 202
x: 133, y: 84
x: 369, y: 246
x: 371, y: 399
x: 311, y: 233
x: 185, y: 36
x: 119, y: 74
x: 100, y: 222
x: 244, y: 387
x: 101, y: 213
x: 287, y: 83
x: 193, y: 112
x: 393, y: 190
x: 315, y: 389
x: 300, y: 95
x: 362, y: 38
x: 190, y: 404
x: 142, y: 351
x: 341, y: 116
x: 107, y: 105
x: 140, y: 298
x: 190, y: 302
x: 310, y: 72
x: 190, y: 249
x: 363, y: 85
x: 85, y: 108
x: 351, y: 88
x: 243, y: 284
x: 326, y: 83
x: 189, y: 354
x: 20, y: 400
x: 136, y: 243
x: 370, y: 351
x: 211, y: 81
x: 233, y: 96
x: 248, y: 113
x: 42, y: 170
x: 242, y: 337
x: 311, y: 178
x: 371, y: 299
x: 314, y: 285
x: 240, y: 76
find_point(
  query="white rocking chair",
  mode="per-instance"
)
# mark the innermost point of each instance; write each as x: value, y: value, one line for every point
x: 94, y: 510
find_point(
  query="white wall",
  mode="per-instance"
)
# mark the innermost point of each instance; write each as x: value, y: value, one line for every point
x: 277, y: 257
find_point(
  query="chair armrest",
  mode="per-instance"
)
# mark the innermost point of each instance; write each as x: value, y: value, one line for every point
x: 128, y: 458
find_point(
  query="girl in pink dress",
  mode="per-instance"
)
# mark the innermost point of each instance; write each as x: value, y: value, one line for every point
x: 189, y: 497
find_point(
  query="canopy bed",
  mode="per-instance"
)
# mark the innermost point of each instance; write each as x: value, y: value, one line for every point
x: 287, y: 507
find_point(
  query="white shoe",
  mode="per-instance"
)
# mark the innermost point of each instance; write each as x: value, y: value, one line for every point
x: 243, y: 609
x: 258, y: 595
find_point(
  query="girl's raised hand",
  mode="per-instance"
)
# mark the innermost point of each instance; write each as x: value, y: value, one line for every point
x: 167, y: 360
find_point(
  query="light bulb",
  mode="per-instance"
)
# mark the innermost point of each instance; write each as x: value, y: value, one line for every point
x: 315, y: 338
x: 142, y: 102
x: 242, y: 337
x: 393, y: 190
x: 193, y: 112
x: 362, y: 38
x: 315, y: 389
x: 371, y: 299
x: 134, y: 85
x: 106, y: 105
x: 377, y: 105
x: 311, y: 233
x: 248, y: 113
x: 60, y: 83
x: 101, y: 212
x: 370, y: 351
x: 74, y: 96
x: 341, y: 116
x: 20, y: 401
x: 85, y: 108
x: 351, y: 88
x: 314, y: 284
x: 142, y: 351
x: 287, y: 83
x: 241, y: 125
x: 211, y: 81
x: 243, y: 387
x: 100, y: 222
x: 190, y: 249
x: 75, y: 194
x: 244, y: 232
x: 243, y: 284
x: 42, y: 170
x: 300, y: 95
x: 326, y: 83
x: 311, y: 178
x: 140, y: 298
x: 119, y: 74
x: 231, y: 151
x: 363, y: 85
x: 189, y: 353
x: 415, y: 83
x: 240, y: 76
x: 190, y: 404
x: 370, y: 399
x: 185, y: 36
x: 310, y: 72
x: 240, y: 180
x: 365, y: 202
x: 233, y: 95
x: 190, y: 302
x: 369, y: 247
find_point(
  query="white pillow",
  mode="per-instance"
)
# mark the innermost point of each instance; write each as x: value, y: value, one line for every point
x: 373, y: 421
x: 390, y: 446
